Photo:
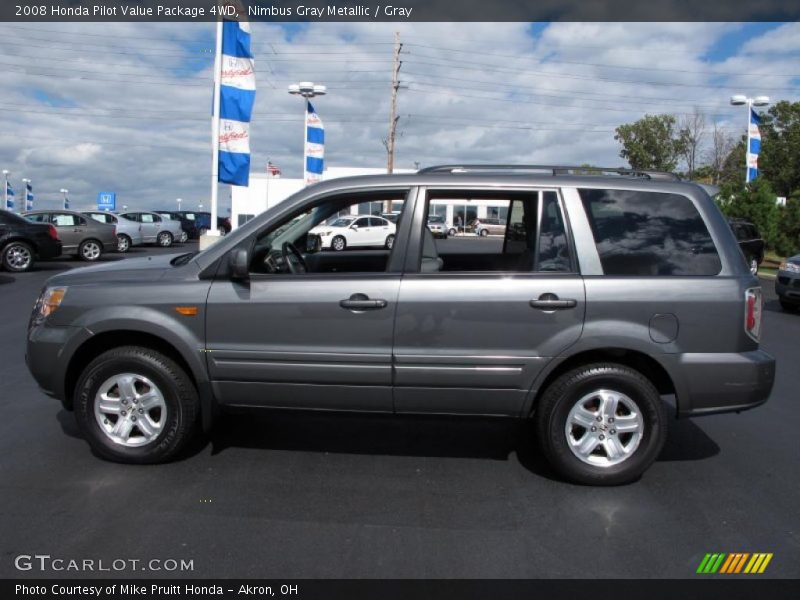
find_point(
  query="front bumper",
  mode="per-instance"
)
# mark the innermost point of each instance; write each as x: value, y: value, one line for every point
x: 711, y: 383
x: 46, y: 355
x: 787, y: 286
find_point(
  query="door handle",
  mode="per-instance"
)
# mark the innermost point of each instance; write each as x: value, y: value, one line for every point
x: 553, y: 302
x: 362, y: 302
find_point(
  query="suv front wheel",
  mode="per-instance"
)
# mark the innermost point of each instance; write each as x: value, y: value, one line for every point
x: 601, y: 424
x: 135, y: 405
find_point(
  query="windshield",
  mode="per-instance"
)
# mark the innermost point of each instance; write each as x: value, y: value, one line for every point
x: 342, y: 222
x: 436, y: 219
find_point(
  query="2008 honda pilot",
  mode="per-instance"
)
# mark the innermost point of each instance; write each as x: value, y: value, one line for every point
x: 609, y: 291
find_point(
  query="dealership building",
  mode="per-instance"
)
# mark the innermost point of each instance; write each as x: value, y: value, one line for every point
x: 266, y: 190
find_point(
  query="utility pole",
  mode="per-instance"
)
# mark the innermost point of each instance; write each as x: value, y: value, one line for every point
x: 393, y: 118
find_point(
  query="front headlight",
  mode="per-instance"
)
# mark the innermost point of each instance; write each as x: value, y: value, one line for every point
x: 48, y: 302
x: 790, y: 267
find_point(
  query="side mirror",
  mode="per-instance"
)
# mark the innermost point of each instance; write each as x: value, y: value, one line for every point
x: 354, y: 227
x: 240, y: 265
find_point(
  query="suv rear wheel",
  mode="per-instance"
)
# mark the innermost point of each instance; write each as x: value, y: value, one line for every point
x: 135, y: 405
x: 601, y: 424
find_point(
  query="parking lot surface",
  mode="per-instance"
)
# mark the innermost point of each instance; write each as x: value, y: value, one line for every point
x: 317, y: 495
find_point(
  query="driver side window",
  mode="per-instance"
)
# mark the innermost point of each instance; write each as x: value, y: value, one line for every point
x: 333, y: 236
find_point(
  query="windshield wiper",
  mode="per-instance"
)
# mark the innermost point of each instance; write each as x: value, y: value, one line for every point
x: 182, y: 259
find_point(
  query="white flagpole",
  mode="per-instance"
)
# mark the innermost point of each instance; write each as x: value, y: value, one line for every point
x: 212, y: 230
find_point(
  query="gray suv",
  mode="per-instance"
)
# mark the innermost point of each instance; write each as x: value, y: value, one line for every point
x: 610, y: 296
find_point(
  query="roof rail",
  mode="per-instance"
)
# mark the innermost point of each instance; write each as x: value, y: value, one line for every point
x: 551, y: 170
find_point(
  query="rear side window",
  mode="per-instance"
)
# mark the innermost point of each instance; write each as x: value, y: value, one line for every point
x: 649, y: 234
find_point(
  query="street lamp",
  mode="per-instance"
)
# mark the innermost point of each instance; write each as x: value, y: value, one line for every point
x: 179, y: 200
x: 65, y: 191
x: 742, y: 100
x: 307, y: 90
x: 25, y: 182
x: 5, y: 189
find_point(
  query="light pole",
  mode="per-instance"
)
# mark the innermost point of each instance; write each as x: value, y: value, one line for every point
x: 65, y: 191
x: 25, y: 183
x: 5, y: 188
x: 741, y: 100
x: 307, y: 90
x: 179, y: 200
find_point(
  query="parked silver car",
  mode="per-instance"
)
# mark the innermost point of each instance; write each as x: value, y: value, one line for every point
x: 79, y: 234
x: 129, y: 233
x: 787, y: 283
x: 156, y: 229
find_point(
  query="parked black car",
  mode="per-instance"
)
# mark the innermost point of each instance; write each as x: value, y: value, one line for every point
x: 200, y: 221
x: 750, y: 241
x: 22, y: 242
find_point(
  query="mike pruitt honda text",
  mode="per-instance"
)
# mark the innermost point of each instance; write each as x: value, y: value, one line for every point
x: 132, y: 589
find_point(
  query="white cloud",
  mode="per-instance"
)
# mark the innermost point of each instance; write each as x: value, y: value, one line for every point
x: 125, y: 107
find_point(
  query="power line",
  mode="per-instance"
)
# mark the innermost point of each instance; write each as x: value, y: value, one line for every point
x: 450, y: 65
x: 544, y: 60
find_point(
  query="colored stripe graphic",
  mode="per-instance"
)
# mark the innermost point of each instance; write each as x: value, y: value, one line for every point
x: 734, y: 563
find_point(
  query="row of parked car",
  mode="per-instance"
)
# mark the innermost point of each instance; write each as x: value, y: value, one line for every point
x: 88, y: 235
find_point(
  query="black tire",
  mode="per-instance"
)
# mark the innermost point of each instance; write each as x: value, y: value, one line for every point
x: 165, y: 239
x: 452, y: 231
x: 339, y: 241
x: 90, y: 250
x: 179, y: 393
x: 787, y: 306
x: 124, y: 243
x: 389, y: 241
x: 18, y: 257
x: 562, y: 395
x: 484, y: 232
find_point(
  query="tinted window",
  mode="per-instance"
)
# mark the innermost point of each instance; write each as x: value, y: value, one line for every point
x: 131, y: 216
x: 507, y: 244
x: 649, y: 234
x: 38, y: 218
x: 553, y: 253
x: 363, y: 222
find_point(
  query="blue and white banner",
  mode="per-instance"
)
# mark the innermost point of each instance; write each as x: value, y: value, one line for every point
x: 9, y: 196
x: 315, y: 146
x: 753, y: 146
x: 28, y: 196
x: 237, y: 95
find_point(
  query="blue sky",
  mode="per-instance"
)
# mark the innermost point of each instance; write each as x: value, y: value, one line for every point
x: 125, y: 107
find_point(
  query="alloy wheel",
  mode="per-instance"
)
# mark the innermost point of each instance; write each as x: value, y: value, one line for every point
x: 604, y: 428
x: 90, y: 250
x: 18, y: 257
x: 130, y: 409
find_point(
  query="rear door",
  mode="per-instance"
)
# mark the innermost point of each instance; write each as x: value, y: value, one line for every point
x: 479, y: 318
x: 70, y: 231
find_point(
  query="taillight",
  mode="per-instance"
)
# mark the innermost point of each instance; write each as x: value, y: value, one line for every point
x: 753, y: 304
x: 52, y: 232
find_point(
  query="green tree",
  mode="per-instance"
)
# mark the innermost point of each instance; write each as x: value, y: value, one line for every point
x: 788, y: 241
x: 733, y: 171
x: 779, y: 160
x: 754, y: 202
x: 651, y: 143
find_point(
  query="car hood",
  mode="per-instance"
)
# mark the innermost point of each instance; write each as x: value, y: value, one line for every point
x: 146, y: 268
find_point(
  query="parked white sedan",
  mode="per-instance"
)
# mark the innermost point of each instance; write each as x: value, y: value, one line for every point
x: 346, y: 232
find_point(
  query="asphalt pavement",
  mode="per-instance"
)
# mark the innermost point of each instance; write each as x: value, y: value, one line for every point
x: 315, y: 495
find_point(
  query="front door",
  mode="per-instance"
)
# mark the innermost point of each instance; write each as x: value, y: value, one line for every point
x: 478, y: 318
x: 318, y: 336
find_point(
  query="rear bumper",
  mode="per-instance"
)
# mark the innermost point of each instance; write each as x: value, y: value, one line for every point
x: 49, y: 249
x: 711, y: 383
